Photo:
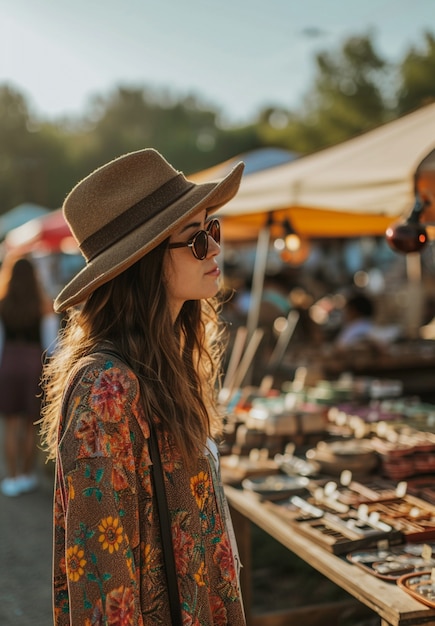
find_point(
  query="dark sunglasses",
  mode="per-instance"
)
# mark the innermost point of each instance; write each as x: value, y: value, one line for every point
x: 199, y: 242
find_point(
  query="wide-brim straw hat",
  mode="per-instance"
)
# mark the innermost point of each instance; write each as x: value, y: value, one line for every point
x: 125, y: 208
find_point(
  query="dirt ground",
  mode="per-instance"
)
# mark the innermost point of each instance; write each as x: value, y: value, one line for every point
x: 25, y: 553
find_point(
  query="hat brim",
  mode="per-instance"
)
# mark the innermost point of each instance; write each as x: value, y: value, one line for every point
x: 124, y: 253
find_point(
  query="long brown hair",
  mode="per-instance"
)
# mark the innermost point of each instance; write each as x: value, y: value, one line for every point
x: 21, y: 296
x: 177, y: 364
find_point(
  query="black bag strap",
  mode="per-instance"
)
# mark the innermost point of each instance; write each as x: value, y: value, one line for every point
x: 165, y: 522
x: 165, y: 530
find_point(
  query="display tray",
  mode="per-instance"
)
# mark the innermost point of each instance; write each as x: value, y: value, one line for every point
x: 276, y: 487
x: 414, y: 518
x: 341, y: 534
x: 295, y: 466
x: 236, y: 468
x: 418, y: 442
x: 422, y: 487
x: 352, y: 455
x: 337, y: 533
x: 420, y: 586
x: 393, y: 562
x: 357, y: 493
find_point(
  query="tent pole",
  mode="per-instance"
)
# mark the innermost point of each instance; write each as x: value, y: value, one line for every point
x: 258, y: 279
x: 415, y: 292
x: 257, y: 286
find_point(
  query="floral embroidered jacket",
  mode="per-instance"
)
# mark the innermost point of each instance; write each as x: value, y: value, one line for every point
x: 108, y: 564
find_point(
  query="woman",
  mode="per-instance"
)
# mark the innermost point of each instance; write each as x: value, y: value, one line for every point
x: 146, y: 295
x: 22, y: 307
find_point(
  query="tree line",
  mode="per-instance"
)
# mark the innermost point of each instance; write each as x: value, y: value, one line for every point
x: 354, y: 90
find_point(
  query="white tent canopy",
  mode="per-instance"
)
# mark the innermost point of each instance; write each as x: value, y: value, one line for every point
x: 370, y: 175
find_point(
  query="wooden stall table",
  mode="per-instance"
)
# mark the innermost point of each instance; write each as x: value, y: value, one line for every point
x: 394, y: 606
x: 413, y: 367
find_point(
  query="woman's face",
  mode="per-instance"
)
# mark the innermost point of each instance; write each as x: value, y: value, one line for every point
x: 188, y: 278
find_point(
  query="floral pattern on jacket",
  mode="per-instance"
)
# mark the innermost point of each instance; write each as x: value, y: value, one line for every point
x: 108, y: 564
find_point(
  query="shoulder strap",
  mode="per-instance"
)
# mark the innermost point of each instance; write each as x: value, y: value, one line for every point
x: 162, y: 506
x: 165, y: 530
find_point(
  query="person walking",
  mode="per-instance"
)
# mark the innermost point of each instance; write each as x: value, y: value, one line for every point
x: 22, y: 308
x: 136, y: 368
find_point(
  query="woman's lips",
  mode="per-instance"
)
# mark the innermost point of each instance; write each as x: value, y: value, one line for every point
x: 215, y: 271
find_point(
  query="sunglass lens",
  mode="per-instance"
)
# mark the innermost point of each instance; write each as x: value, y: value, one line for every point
x: 200, y: 245
x: 214, y: 230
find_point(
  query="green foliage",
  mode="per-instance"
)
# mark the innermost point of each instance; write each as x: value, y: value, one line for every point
x: 346, y: 99
x: 32, y: 157
x: 184, y: 131
x: 417, y: 76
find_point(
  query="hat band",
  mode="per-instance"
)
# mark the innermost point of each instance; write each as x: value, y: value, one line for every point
x: 135, y: 216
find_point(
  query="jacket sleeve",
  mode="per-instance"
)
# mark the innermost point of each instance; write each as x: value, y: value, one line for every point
x: 98, y: 466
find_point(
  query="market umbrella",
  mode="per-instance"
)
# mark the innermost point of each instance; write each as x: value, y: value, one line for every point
x: 49, y: 233
x: 19, y: 215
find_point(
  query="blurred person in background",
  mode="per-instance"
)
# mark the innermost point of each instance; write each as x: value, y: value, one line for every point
x: 22, y: 309
x: 358, y: 322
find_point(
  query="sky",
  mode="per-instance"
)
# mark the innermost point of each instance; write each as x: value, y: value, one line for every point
x: 236, y: 55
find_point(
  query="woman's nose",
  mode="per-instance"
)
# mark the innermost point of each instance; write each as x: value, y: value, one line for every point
x: 213, y: 246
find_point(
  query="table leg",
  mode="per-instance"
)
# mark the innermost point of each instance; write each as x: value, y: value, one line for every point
x: 242, y: 529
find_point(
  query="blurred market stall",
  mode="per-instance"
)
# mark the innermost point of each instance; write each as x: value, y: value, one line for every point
x: 352, y: 189
x: 20, y: 215
x: 46, y: 233
x: 355, y: 189
x: 48, y: 239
